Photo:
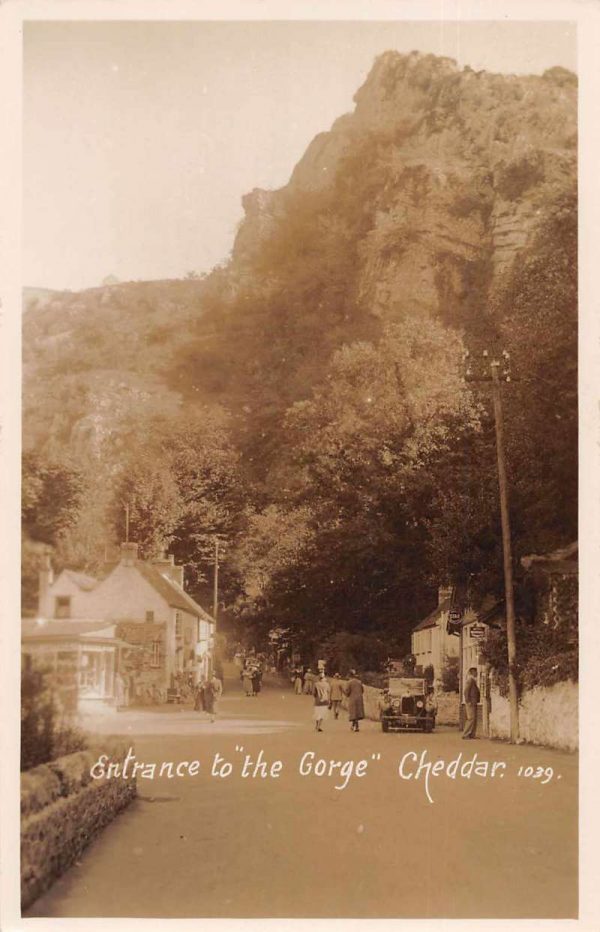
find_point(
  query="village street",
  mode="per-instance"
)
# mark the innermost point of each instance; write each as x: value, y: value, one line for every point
x: 295, y: 846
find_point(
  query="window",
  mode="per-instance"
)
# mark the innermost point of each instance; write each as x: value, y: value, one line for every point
x: 62, y: 606
x: 155, y: 661
x: 150, y: 616
x: 178, y: 628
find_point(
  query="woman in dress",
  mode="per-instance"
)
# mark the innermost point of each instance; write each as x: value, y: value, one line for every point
x: 321, y: 692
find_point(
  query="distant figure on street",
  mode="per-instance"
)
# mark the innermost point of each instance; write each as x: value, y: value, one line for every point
x: 471, y: 696
x: 247, y: 681
x: 122, y: 687
x: 212, y: 693
x: 321, y: 692
x: 384, y: 702
x: 336, y: 694
x: 199, y: 697
x: 256, y: 679
x: 297, y: 681
x: 354, y: 691
x: 309, y: 682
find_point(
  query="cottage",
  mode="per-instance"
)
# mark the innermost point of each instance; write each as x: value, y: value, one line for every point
x: 152, y: 633
x: 431, y: 643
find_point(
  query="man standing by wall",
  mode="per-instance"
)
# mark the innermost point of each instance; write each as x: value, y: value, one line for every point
x: 472, y: 697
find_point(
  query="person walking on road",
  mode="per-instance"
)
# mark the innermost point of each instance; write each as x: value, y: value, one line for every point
x: 212, y: 694
x: 247, y: 681
x: 309, y: 682
x: 199, y: 696
x: 321, y: 692
x: 472, y: 696
x: 356, y: 709
x: 336, y: 694
x: 297, y: 680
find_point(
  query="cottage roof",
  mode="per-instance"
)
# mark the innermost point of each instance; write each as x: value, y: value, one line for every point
x: 82, y: 580
x: 432, y: 618
x: 170, y: 591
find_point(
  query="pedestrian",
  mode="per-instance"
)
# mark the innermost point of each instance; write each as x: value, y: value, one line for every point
x: 212, y: 693
x: 354, y: 691
x: 199, y: 697
x: 247, y: 680
x: 309, y: 682
x: 256, y: 679
x: 321, y: 692
x: 384, y: 703
x: 471, y: 697
x: 336, y: 694
x: 431, y: 706
x: 297, y: 681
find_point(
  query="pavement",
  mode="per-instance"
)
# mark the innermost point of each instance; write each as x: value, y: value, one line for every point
x: 293, y: 844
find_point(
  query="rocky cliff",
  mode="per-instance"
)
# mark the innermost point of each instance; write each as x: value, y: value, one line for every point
x: 417, y: 202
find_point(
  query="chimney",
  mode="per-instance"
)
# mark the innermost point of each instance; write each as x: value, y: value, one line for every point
x: 178, y: 575
x: 444, y: 592
x: 165, y: 563
x: 45, y: 580
x: 129, y: 554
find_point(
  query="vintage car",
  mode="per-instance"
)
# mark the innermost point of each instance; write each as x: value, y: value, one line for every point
x: 405, y: 706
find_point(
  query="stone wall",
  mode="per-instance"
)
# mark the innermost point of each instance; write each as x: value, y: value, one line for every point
x: 548, y: 715
x: 447, y: 713
x: 62, y: 810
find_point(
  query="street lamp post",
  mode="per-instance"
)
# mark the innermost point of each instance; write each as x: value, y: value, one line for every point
x: 497, y: 371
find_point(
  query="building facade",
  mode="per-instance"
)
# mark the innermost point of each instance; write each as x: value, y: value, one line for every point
x: 431, y: 644
x: 154, y: 636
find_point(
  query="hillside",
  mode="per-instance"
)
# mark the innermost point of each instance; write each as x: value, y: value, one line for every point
x: 421, y: 198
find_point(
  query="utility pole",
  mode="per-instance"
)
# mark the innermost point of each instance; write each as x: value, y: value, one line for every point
x: 216, y: 582
x: 127, y: 522
x: 496, y: 372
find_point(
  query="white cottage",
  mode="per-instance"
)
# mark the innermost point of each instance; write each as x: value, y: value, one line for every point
x: 160, y: 633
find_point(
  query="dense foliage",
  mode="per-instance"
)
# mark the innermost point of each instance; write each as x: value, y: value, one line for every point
x: 45, y: 735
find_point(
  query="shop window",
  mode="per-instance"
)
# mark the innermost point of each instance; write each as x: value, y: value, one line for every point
x: 62, y: 606
x: 150, y: 616
x: 155, y: 661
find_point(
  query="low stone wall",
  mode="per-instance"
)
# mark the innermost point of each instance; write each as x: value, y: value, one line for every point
x: 62, y: 809
x: 447, y: 709
x: 548, y: 715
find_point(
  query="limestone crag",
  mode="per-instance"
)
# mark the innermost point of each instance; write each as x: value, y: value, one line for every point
x: 467, y: 161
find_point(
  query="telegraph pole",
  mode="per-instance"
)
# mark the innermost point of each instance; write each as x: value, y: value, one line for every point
x: 216, y: 582
x: 496, y: 372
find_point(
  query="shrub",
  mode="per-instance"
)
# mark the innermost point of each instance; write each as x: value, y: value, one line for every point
x: 450, y: 675
x: 44, y: 736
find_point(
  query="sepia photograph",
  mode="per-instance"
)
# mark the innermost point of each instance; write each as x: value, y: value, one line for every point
x: 299, y: 490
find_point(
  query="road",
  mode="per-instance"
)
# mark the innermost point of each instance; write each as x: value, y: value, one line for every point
x: 294, y: 845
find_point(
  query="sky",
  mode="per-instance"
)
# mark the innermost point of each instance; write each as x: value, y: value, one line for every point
x: 140, y: 138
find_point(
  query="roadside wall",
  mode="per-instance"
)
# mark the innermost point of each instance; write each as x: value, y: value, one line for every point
x: 62, y: 810
x: 548, y: 715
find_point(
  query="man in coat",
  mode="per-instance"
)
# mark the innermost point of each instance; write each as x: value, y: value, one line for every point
x: 336, y: 694
x: 354, y: 691
x: 471, y: 697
